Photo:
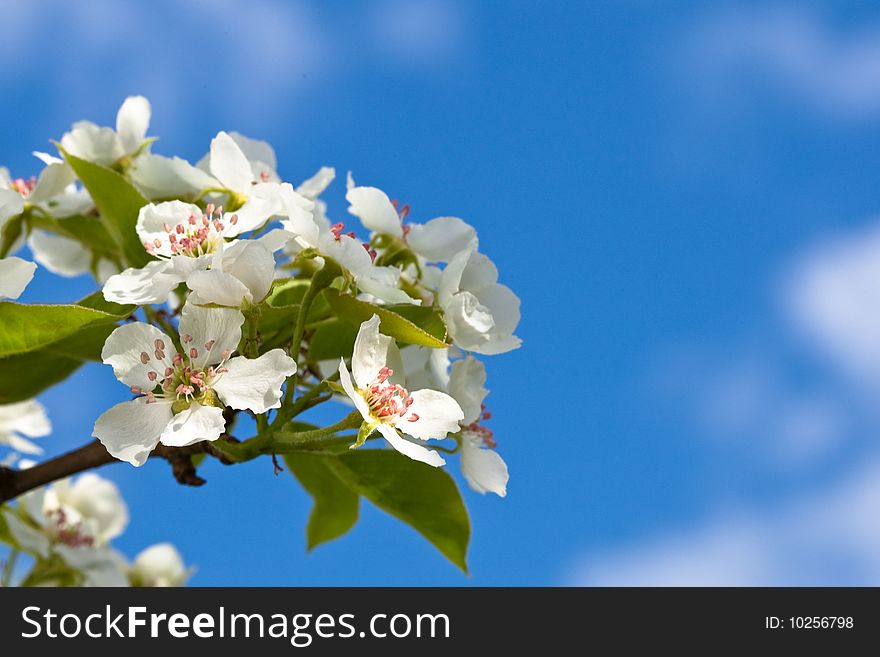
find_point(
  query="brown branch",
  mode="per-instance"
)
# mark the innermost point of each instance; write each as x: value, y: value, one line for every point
x: 93, y: 455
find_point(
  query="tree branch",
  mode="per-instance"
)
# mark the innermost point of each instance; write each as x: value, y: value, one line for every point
x: 93, y: 455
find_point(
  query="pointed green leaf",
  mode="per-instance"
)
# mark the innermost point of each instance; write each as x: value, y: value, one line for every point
x: 332, y: 340
x: 336, y: 506
x: 392, y: 323
x: 26, y: 375
x: 424, y: 497
x: 25, y: 327
x: 117, y: 201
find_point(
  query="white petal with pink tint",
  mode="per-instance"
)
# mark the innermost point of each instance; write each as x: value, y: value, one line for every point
x: 139, y: 354
x: 433, y: 414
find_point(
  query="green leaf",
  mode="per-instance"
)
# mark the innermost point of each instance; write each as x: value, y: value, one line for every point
x: 12, y: 230
x: 118, y: 203
x: 85, y: 344
x: 332, y: 340
x: 96, y: 301
x: 336, y: 506
x: 287, y: 292
x: 25, y: 328
x: 26, y: 375
x: 392, y: 323
x: 424, y: 497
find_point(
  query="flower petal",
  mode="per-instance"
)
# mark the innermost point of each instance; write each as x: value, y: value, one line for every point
x: 60, y: 255
x: 216, y: 286
x: 98, y: 499
x: 193, y: 425
x: 15, y: 274
x: 466, y: 383
x: 153, y: 218
x: 250, y: 216
x: 130, y: 345
x: 160, y: 565
x: 441, y: 239
x: 229, y: 165
x: 254, y: 384
x: 11, y: 204
x: 410, y: 449
x: 315, y: 186
x: 469, y: 322
x: 131, y: 430
x: 52, y: 182
x: 27, y: 418
x: 432, y: 414
x: 252, y: 264
x: 256, y: 151
x: 370, y: 352
x: 132, y: 122
x: 375, y: 210
x: 93, y: 143
x: 150, y: 284
x: 218, y: 327
x: 158, y: 176
x: 359, y: 402
x: 480, y: 271
x: 31, y: 540
x: 483, y: 469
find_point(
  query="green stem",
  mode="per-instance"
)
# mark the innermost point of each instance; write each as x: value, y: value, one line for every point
x: 316, y: 436
x: 320, y: 279
x: 282, y: 442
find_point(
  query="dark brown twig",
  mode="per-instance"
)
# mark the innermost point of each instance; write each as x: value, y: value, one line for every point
x: 93, y: 455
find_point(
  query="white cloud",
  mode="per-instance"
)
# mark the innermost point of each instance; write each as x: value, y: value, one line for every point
x: 829, y: 537
x: 418, y: 32
x: 832, y: 297
x: 751, y: 396
x: 250, y: 63
x: 792, y: 49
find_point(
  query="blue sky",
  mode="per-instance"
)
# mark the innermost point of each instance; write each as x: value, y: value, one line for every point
x: 683, y: 195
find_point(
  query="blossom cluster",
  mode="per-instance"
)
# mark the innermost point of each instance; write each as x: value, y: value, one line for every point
x: 239, y: 287
x: 67, y: 529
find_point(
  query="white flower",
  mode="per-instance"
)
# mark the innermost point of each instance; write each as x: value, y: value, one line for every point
x: 159, y: 565
x: 482, y: 467
x: 246, y: 169
x: 386, y: 405
x: 181, y: 394
x: 439, y: 240
x: 107, y: 146
x: 27, y: 418
x: 15, y: 274
x: 187, y: 241
x: 313, y: 230
x: 231, y: 154
x: 86, y: 512
x: 54, y: 190
x: 481, y: 314
x: 56, y: 193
